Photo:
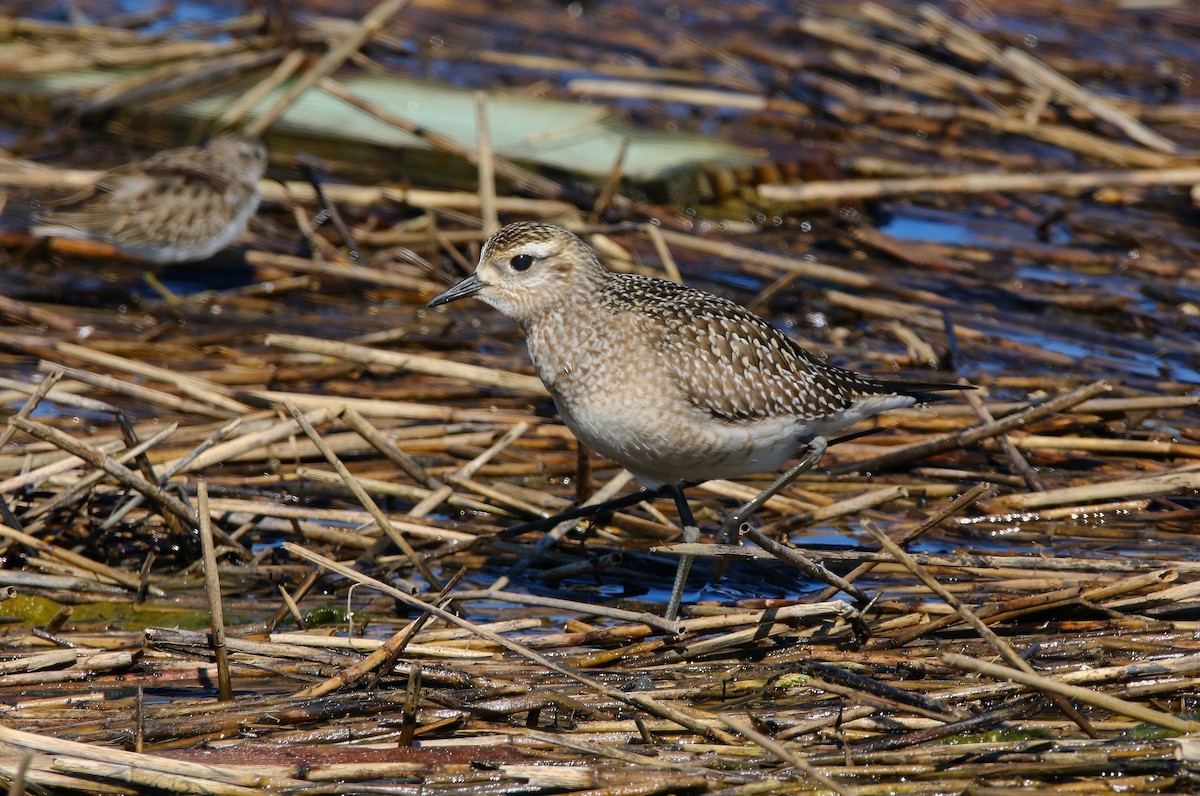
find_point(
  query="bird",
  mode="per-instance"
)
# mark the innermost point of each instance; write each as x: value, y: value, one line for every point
x: 675, y: 384
x: 179, y: 205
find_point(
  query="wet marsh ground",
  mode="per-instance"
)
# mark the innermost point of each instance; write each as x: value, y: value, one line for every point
x: 932, y: 200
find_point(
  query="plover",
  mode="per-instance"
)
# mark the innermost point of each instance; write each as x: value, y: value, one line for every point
x: 672, y: 383
x: 176, y: 206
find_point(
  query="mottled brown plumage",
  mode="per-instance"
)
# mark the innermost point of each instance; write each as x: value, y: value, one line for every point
x: 176, y: 206
x: 670, y: 382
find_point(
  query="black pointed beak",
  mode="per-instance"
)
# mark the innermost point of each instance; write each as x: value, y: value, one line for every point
x: 464, y: 289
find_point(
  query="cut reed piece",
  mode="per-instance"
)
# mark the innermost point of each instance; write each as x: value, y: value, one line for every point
x: 633, y: 699
x: 486, y: 377
x: 1074, y: 693
x: 1071, y: 182
x: 1159, y: 484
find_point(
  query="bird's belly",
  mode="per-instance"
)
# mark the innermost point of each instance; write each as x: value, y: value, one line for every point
x: 664, y: 447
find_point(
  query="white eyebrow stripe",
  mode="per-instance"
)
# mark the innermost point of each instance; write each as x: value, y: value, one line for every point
x: 539, y: 249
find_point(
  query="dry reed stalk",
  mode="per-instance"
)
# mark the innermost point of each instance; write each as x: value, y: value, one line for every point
x: 1006, y: 651
x: 85, y: 484
x: 436, y: 493
x: 334, y: 57
x: 212, y: 585
x: 225, y: 451
x: 19, y: 310
x: 1129, y: 447
x: 486, y: 167
x: 670, y: 269
x: 522, y: 178
x: 248, y: 780
x: 975, y: 434
x: 743, y: 728
x: 38, y: 393
x: 806, y: 565
x: 406, y: 410
x: 172, y: 78
x: 740, y: 492
x: 154, y: 397
x: 1035, y: 73
x: 486, y: 377
x: 201, y: 389
x: 619, y: 614
x: 628, y: 89
x: 810, y: 270
x: 339, y: 270
x: 772, y: 624
x: 257, y: 508
x: 65, y: 394
x: 637, y: 700
x: 166, y: 502
x: 363, y: 498
x: 282, y: 72
x: 393, y: 489
x: 22, y: 60
x: 1074, y: 693
x: 842, y: 190
x: 366, y: 196
x: 1158, y: 484
x: 1019, y: 463
x: 951, y: 509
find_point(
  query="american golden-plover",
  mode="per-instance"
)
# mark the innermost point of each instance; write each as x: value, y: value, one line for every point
x: 672, y: 383
x: 176, y: 206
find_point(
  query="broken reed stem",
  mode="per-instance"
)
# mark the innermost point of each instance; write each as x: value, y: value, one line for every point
x: 587, y: 609
x: 970, y: 436
x: 334, y: 57
x: 245, y: 103
x: 89, y: 481
x: 487, y: 377
x: 163, y: 500
x: 1087, y: 696
x: 635, y: 699
x: 616, y: 484
x: 983, y: 182
x: 522, y: 178
x: 956, y: 506
x: 203, y: 775
x: 609, y: 188
x: 361, y: 495
x: 1003, y: 647
x: 486, y: 167
x: 1015, y: 457
x: 215, y: 394
x: 138, y: 392
x: 670, y: 269
x: 806, y: 565
x: 30, y: 404
x: 172, y: 469
x: 385, y: 655
x: 212, y: 585
x: 128, y: 580
x: 743, y: 728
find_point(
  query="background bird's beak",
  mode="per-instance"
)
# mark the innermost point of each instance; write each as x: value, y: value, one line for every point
x: 464, y: 289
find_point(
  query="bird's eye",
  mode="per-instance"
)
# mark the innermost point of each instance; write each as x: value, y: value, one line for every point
x: 521, y: 262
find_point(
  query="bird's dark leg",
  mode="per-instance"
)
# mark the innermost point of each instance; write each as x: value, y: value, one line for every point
x: 691, y: 533
x: 813, y: 452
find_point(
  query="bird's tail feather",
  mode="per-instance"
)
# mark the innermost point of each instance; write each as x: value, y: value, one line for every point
x: 923, y: 391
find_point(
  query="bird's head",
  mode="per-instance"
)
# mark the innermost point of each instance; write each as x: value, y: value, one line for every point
x: 527, y: 269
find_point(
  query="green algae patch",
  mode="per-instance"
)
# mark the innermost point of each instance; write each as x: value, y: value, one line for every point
x: 31, y: 609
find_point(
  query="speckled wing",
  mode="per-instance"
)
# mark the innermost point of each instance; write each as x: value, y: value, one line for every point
x: 136, y: 205
x: 732, y: 364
